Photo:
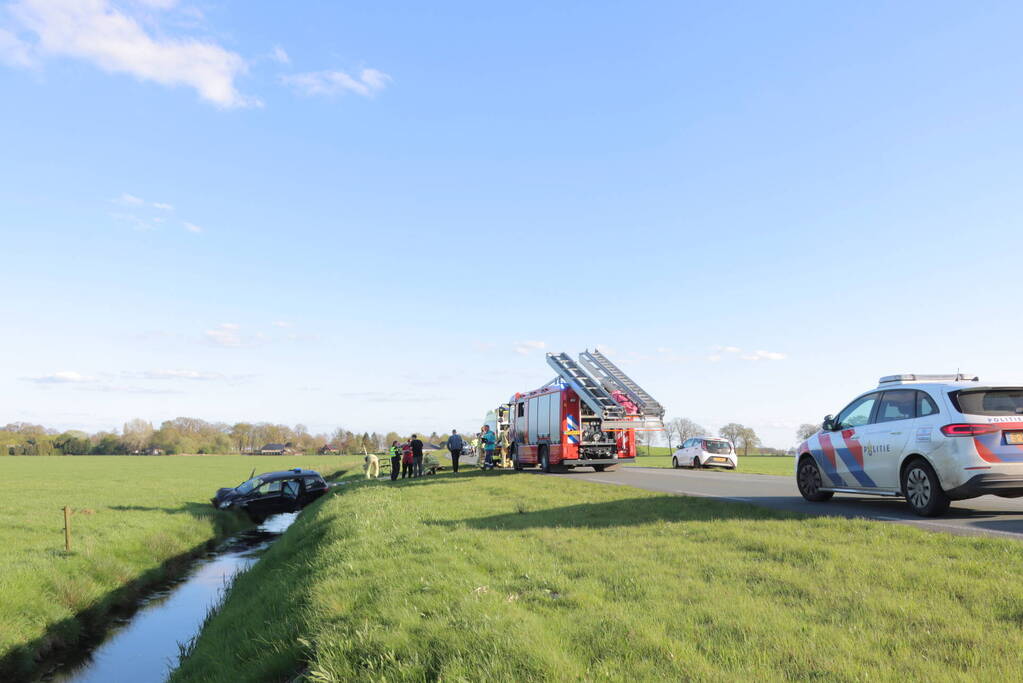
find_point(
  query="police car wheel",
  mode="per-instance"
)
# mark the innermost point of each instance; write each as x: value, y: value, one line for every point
x: 808, y: 479
x: 696, y: 463
x: 674, y: 463
x: 923, y: 491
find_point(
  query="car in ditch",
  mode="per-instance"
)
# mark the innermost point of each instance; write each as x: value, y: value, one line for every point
x: 931, y: 439
x: 705, y: 451
x: 272, y: 493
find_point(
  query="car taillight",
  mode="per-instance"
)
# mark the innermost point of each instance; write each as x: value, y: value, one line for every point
x: 968, y: 429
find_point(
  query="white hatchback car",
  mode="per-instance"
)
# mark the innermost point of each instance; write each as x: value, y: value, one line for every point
x: 929, y: 438
x: 706, y: 451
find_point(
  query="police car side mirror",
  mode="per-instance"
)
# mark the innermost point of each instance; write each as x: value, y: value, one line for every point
x: 829, y: 423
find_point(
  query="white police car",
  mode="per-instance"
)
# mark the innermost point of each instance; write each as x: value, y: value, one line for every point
x: 930, y: 438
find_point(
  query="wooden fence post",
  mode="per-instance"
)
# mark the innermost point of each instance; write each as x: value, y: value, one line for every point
x: 67, y: 528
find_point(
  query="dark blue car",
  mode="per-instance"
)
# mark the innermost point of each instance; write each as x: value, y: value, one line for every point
x: 272, y: 493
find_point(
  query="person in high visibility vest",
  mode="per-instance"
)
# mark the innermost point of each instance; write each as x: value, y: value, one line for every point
x: 395, y: 460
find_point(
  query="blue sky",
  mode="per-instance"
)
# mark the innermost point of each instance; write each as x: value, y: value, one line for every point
x: 381, y: 215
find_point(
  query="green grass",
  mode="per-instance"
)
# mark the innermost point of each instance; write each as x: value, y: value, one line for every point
x: 516, y: 577
x: 783, y: 465
x: 134, y: 514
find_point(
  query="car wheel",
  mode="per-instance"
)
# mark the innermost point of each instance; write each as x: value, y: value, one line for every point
x: 808, y: 479
x: 923, y: 491
x: 598, y: 468
x: 674, y: 463
x: 696, y: 463
x: 545, y: 463
x: 515, y: 459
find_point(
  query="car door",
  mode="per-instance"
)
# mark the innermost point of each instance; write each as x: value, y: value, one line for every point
x: 686, y: 458
x: 841, y: 448
x: 884, y: 440
x: 266, y: 500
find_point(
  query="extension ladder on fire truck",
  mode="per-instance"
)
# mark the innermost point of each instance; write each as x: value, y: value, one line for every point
x: 588, y: 389
x: 612, y: 377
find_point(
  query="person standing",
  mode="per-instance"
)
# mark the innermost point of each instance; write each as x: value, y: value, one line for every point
x: 395, y: 460
x: 488, y: 439
x: 455, y: 446
x: 417, y: 455
x: 406, y: 460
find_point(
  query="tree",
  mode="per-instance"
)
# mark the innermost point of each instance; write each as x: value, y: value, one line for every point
x: 137, y: 435
x: 806, y: 430
x: 748, y: 439
x: 243, y: 435
x: 733, y: 431
x: 670, y: 429
x: 741, y: 436
x: 684, y: 429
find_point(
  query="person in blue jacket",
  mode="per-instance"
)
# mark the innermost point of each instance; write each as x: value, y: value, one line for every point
x: 489, y: 440
x: 455, y: 446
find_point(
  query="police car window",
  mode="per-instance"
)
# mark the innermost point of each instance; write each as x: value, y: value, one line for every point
x: 989, y: 401
x: 270, y: 487
x: 925, y: 405
x: 897, y: 405
x: 858, y: 412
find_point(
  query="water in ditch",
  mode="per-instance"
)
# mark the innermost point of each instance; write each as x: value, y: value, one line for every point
x: 145, y: 647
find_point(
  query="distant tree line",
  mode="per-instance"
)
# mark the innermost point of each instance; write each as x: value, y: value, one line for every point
x: 189, y: 435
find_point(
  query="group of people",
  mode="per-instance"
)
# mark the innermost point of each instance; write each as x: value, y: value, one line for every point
x: 407, y: 458
x: 485, y: 440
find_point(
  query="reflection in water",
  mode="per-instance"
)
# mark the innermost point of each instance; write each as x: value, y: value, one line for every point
x: 145, y: 648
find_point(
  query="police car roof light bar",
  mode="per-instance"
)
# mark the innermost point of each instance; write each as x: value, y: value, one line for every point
x: 900, y: 379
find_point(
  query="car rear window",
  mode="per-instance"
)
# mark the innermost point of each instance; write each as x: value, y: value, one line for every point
x: 989, y: 401
x: 719, y: 447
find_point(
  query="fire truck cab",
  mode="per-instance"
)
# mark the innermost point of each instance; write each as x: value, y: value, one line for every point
x: 577, y: 419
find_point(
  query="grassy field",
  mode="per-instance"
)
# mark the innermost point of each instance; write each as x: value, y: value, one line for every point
x: 517, y: 577
x: 751, y: 464
x: 133, y: 515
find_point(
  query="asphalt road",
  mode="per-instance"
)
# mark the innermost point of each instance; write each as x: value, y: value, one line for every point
x: 988, y: 515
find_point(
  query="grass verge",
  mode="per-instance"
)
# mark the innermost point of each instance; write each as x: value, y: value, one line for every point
x: 136, y: 523
x: 781, y: 465
x: 514, y: 577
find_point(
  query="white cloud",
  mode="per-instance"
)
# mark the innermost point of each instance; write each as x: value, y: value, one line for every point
x: 162, y: 206
x: 191, y: 227
x: 714, y: 358
x: 763, y: 355
x: 99, y: 33
x: 181, y: 374
x: 526, y: 347
x: 129, y: 200
x: 14, y: 51
x: 225, y: 334
x: 281, y: 323
x: 62, y: 377
x: 279, y: 55
x: 368, y: 83
x: 136, y: 223
x: 158, y: 4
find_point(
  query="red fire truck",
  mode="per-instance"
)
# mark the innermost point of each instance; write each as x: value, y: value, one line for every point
x: 578, y: 419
